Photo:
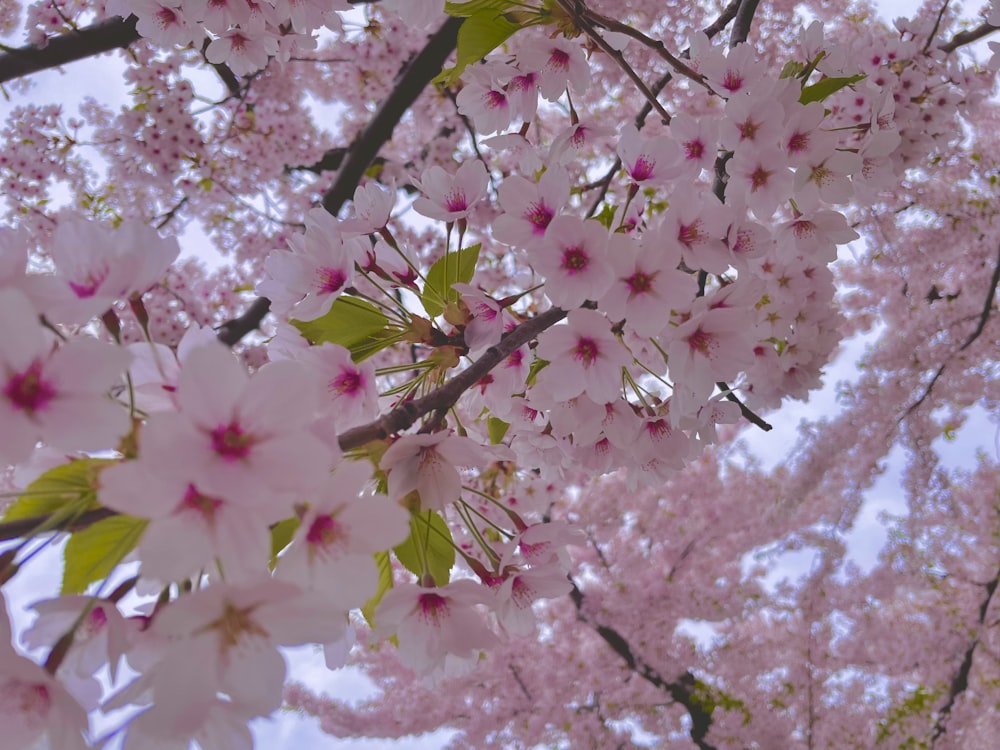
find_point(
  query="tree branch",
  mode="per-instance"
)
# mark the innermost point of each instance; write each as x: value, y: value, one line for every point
x: 233, y: 330
x: 983, y: 317
x: 741, y: 26
x: 114, y: 33
x: 680, y: 690
x: 409, y: 84
x: 967, y: 37
x: 960, y: 683
x: 407, y: 413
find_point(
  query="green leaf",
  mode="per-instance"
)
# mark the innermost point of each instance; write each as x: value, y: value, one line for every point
x: 819, y: 91
x: 351, y: 322
x: 792, y: 68
x: 91, y: 554
x: 466, y: 9
x: 449, y: 269
x: 430, y: 539
x: 497, y: 428
x: 281, y: 536
x: 480, y: 33
x: 73, y: 484
x: 607, y: 216
x: 384, y: 564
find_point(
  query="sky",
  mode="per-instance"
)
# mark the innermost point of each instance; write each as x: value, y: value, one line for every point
x: 305, y: 665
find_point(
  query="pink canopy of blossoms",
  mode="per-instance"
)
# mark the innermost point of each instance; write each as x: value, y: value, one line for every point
x: 466, y: 412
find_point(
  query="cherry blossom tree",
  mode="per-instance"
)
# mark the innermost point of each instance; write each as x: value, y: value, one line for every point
x: 509, y: 290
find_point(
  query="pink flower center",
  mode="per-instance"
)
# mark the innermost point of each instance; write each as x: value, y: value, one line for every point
x: 759, y: 178
x: 539, y: 216
x: 658, y: 429
x: 798, y: 142
x: 165, y: 17
x: 433, y: 608
x: 325, y: 531
x: 586, y: 350
x: 689, y: 234
x: 732, y: 81
x: 642, y: 169
x: 639, y: 283
x: 574, y: 259
x: 456, y: 201
x: 27, y: 391
x: 330, y: 280
x: 559, y: 60
x: 348, y: 382
x: 748, y: 130
x: 694, y: 149
x: 700, y: 341
x: 494, y: 99
x: 515, y: 359
x: 89, y: 286
x: 203, y: 505
x: 230, y: 442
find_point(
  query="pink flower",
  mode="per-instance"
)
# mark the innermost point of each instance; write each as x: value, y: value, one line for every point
x: 648, y: 160
x: 530, y: 207
x: 342, y: 529
x: 759, y: 179
x: 351, y: 397
x: 559, y: 63
x: 584, y: 357
x: 433, y: 624
x: 95, y: 266
x: 573, y: 257
x: 450, y: 197
x: 242, y: 52
x: 55, y: 394
x: 242, y: 437
x: 304, y: 282
x: 647, y: 284
x: 372, y: 207
x: 427, y: 464
x: 35, y: 709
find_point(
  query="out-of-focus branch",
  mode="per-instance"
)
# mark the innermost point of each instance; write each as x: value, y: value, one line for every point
x: 967, y: 37
x: 741, y: 24
x: 24, y: 526
x: 409, y: 84
x: 111, y: 34
x: 960, y: 683
x: 983, y: 317
x: 233, y: 330
x: 682, y: 690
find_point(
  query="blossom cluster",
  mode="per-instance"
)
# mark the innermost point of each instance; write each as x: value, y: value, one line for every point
x: 276, y: 501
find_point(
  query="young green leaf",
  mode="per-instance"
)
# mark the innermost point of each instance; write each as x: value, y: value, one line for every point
x: 825, y: 88
x: 384, y: 564
x: 449, y: 269
x: 351, y: 322
x: 430, y: 540
x: 91, y: 554
x: 480, y: 33
x: 73, y: 483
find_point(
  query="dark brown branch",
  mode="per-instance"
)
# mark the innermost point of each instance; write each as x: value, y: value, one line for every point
x: 423, y: 67
x: 23, y: 527
x: 968, y: 37
x: 406, y: 414
x: 680, y: 690
x: 960, y: 683
x: 748, y: 414
x: 984, y: 316
x: 741, y: 24
x: 233, y: 330
x: 114, y: 33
